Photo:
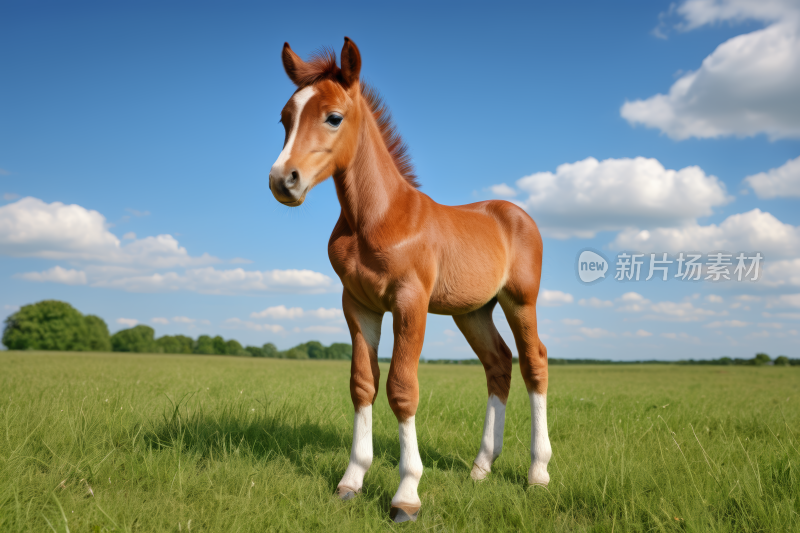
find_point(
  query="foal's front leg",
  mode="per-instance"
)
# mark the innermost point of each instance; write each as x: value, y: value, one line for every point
x: 365, y: 332
x: 402, y: 388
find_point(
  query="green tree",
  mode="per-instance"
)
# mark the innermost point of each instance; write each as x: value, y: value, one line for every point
x: 254, y: 351
x: 138, y: 339
x: 781, y: 360
x: 219, y: 345
x: 298, y: 352
x: 232, y: 347
x: 270, y: 350
x: 54, y: 325
x: 174, y: 344
x: 97, y: 337
x: 761, y: 359
x: 204, y: 345
x: 315, y: 350
x: 340, y: 350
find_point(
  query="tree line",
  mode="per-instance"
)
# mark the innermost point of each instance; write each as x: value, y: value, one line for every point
x: 56, y: 325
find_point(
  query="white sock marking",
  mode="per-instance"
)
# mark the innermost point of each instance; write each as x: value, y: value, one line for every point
x: 361, y: 452
x: 492, y: 442
x: 540, y: 442
x: 300, y: 99
x: 410, y: 466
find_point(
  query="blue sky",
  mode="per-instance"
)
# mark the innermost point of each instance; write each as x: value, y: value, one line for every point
x: 136, y: 139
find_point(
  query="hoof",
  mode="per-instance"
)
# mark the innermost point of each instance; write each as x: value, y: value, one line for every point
x: 538, y: 476
x: 478, y: 473
x: 346, y: 493
x: 404, y: 514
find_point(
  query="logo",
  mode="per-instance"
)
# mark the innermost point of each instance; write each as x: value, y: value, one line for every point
x: 591, y: 266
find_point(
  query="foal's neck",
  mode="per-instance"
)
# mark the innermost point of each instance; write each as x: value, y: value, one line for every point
x: 371, y: 186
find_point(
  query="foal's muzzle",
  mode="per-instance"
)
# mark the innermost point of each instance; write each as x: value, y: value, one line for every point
x: 287, y: 188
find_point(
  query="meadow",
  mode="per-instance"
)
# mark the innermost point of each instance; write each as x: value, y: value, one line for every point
x: 133, y: 442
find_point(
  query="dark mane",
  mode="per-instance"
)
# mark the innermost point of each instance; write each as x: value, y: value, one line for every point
x: 322, y: 66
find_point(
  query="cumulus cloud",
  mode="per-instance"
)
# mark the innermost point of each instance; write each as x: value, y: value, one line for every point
x: 781, y: 182
x: 633, y: 302
x: 283, y: 312
x: 572, y: 321
x: 238, y: 323
x: 554, y: 298
x: 726, y: 324
x: 784, y: 273
x: 640, y: 333
x: 747, y: 86
x: 596, y: 333
x: 129, y: 322
x: 582, y: 198
x: 323, y: 329
x: 235, y: 281
x: 183, y: 320
x: 159, y: 320
x: 595, y: 302
x: 33, y: 228
x: 751, y: 231
x: 57, y: 275
x: 503, y: 190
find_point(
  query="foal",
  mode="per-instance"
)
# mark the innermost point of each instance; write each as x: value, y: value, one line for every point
x: 398, y: 251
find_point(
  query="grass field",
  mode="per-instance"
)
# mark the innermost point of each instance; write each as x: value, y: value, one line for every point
x: 112, y: 442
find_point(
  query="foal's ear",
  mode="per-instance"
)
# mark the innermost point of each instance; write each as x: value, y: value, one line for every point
x: 351, y: 62
x: 292, y: 64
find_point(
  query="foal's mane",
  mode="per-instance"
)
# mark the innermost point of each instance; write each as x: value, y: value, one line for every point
x: 322, y: 66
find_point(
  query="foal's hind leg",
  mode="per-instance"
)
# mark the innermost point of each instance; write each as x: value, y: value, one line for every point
x: 490, y: 348
x: 365, y: 332
x: 520, y: 310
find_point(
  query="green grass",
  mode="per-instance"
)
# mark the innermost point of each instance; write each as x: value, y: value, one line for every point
x: 241, y: 444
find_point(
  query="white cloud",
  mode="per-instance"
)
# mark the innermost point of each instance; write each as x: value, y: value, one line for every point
x: 596, y: 333
x: 785, y: 300
x: 638, y: 333
x: 130, y: 322
x: 633, y: 302
x: 726, y: 324
x: 751, y: 231
x: 183, y: 320
x: 323, y: 329
x: 238, y: 323
x: 572, y: 322
x: 714, y: 299
x: 782, y: 273
x: 501, y: 189
x: 679, y: 312
x: 595, y: 302
x: 282, y: 312
x: 9, y: 196
x: 680, y: 336
x: 554, y: 298
x: 129, y: 236
x: 33, y: 228
x: 57, y: 275
x: 450, y: 333
x: 235, y: 281
x: 585, y: 197
x: 159, y: 320
x: 783, y: 182
x: 747, y: 86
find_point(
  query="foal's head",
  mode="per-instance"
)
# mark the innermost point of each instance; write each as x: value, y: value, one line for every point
x: 321, y: 121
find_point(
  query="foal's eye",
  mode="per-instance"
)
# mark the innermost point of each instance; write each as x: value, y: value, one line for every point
x: 334, y: 120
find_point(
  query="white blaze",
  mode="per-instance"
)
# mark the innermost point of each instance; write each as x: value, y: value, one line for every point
x: 300, y: 99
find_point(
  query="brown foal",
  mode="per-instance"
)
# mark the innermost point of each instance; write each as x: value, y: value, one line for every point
x: 398, y: 251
